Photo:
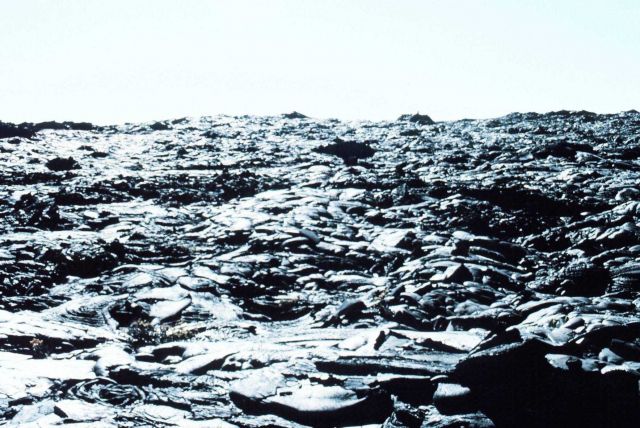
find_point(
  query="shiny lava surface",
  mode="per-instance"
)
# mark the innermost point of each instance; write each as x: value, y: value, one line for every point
x: 285, y: 271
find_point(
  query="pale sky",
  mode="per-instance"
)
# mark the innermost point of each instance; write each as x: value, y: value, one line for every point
x: 113, y: 61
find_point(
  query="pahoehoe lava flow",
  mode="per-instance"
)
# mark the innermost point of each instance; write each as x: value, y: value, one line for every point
x: 285, y: 271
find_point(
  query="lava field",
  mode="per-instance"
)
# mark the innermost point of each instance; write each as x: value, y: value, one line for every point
x: 284, y: 271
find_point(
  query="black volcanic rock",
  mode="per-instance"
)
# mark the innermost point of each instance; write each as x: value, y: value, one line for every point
x: 316, y: 405
x: 420, y: 119
x: 451, y: 399
x: 9, y: 130
x: 563, y: 149
x: 62, y: 164
x: 222, y: 271
x: 28, y: 130
x: 160, y: 126
x: 348, y: 151
x: 294, y: 115
x: 74, y: 126
x: 38, y: 212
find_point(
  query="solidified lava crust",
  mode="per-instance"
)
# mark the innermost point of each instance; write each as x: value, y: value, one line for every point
x: 285, y: 271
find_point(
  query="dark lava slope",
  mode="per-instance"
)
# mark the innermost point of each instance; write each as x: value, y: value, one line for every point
x: 283, y: 271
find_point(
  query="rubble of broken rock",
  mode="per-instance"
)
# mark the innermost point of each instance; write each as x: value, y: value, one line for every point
x: 270, y: 271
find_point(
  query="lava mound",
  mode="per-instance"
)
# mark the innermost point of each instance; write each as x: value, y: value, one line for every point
x: 348, y: 151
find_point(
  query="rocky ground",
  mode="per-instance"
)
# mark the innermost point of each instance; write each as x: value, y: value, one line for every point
x: 284, y: 271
